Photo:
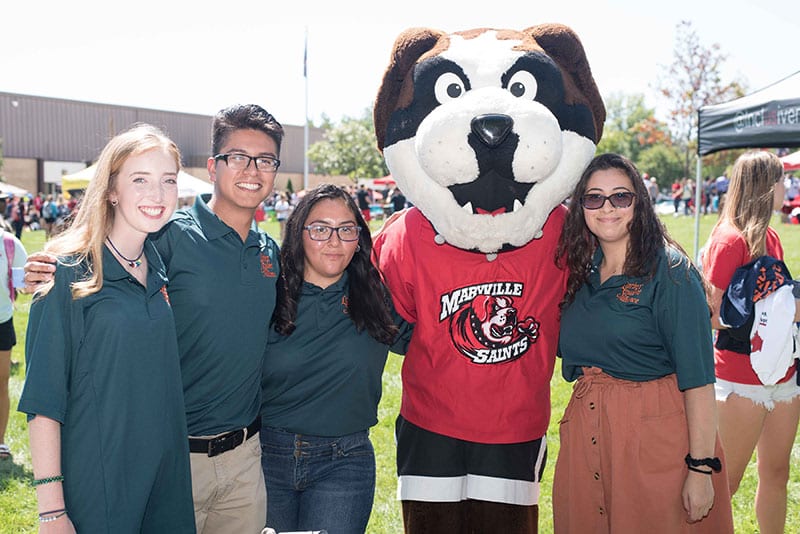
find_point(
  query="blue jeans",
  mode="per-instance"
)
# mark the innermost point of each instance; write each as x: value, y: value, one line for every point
x: 316, y: 483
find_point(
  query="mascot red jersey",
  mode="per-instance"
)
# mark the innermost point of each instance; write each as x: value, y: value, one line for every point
x: 486, y: 132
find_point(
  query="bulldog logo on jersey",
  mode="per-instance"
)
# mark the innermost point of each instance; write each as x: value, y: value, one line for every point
x: 484, y: 324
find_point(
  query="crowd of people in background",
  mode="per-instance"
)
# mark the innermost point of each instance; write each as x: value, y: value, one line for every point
x: 39, y: 212
x: 682, y: 196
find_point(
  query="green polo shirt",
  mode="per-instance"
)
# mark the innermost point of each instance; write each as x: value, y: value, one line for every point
x: 223, y: 293
x: 106, y: 366
x: 325, y: 378
x: 641, y: 329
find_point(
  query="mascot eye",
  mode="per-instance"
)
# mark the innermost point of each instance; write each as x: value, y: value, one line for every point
x: 523, y: 85
x: 448, y: 87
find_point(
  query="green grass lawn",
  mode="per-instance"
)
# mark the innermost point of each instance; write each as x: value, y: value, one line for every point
x: 17, y: 498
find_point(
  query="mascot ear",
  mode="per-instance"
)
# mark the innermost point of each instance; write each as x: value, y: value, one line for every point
x: 563, y: 45
x: 408, y: 48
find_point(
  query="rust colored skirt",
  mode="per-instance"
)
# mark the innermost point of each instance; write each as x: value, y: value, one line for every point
x: 620, y: 466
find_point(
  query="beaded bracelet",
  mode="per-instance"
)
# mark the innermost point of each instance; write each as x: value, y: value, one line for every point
x: 48, y: 480
x: 51, y: 512
x: 52, y: 517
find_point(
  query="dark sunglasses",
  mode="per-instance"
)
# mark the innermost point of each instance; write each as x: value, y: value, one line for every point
x: 595, y: 201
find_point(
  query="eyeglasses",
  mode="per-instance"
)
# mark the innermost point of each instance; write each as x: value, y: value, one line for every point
x: 320, y: 232
x: 595, y: 201
x: 239, y: 162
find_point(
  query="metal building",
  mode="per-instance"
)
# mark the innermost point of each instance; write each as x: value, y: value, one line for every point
x: 43, y: 138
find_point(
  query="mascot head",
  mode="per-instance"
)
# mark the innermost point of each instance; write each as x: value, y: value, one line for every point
x: 486, y: 131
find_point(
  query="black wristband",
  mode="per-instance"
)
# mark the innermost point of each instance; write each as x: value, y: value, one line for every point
x: 714, y: 463
x: 796, y: 288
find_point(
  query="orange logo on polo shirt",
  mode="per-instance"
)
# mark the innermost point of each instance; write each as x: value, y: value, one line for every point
x: 629, y: 292
x: 267, y: 268
x: 345, y: 305
x: 165, y: 295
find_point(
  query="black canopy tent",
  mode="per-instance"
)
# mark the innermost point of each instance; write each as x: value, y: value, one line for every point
x: 767, y: 118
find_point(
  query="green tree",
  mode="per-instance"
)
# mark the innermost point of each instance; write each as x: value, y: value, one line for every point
x: 662, y: 161
x: 623, y: 110
x: 348, y: 149
x: 631, y: 126
x: 616, y: 141
x: 693, y: 80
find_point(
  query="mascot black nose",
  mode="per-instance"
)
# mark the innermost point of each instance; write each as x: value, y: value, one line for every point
x: 492, y: 128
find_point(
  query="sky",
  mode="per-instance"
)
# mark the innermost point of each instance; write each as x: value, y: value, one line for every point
x: 199, y: 56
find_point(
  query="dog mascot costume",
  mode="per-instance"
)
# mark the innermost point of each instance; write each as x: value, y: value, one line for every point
x: 486, y: 132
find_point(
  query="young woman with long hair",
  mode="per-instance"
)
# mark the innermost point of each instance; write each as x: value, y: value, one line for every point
x: 752, y: 416
x: 103, y: 386
x: 331, y: 331
x: 639, y: 450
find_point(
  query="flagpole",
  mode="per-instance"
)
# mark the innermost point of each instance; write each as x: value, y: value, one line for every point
x: 305, y: 123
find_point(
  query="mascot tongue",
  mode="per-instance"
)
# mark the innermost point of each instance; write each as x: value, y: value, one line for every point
x: 491, y: 193
x: 498, y: 211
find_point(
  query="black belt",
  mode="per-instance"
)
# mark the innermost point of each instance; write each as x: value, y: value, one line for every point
x: 225, y: 442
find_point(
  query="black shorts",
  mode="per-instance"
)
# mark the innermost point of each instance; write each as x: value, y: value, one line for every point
x: 8, y: 338
x: 437, y: 468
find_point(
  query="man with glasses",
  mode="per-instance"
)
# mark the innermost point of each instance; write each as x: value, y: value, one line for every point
x: 222, y: 272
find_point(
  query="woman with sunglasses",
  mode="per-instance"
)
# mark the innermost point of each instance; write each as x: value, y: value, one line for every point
x: 752, y: 416
x: 639, y: 449
x: 331, y: 331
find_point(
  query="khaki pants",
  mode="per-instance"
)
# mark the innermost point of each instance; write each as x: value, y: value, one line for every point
x: 228, y: 490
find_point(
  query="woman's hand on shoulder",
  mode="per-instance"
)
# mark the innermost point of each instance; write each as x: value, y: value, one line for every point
x: 39, y: 269
x: 698, y: 495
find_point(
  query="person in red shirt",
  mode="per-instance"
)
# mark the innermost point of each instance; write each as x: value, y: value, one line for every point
x: 752, y: 415
x: 677, y: 191
x: 38, y: 200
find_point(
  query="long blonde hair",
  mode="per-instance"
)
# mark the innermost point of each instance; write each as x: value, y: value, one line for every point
x: 83, y: 241
x: 750, y: 198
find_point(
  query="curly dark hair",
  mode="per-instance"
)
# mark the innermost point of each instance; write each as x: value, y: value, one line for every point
x: 647, y: 234
x: 244, y: 117
x: 369, y: 301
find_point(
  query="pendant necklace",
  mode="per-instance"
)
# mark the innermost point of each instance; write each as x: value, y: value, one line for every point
x: 135, y: 262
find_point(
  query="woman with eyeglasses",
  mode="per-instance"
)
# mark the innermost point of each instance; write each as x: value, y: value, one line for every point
x: 638, y: 441
x: 332, y: 328
x: 752, y: 415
